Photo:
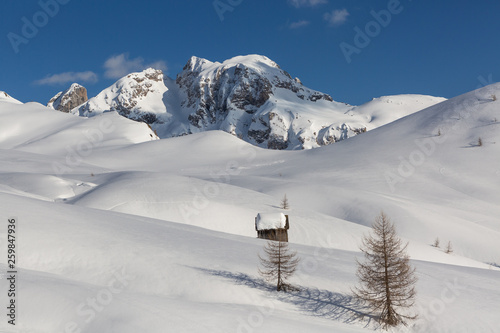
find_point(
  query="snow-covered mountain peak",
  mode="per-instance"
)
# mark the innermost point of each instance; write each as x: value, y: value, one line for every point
x: 4, y: 97
x: 74, y: 86
x: 147, y: 74
x: 138, y: 96
x: 199, y: 65
x: 196, y: 64
x: 250, y: 97
x: 251, y: 60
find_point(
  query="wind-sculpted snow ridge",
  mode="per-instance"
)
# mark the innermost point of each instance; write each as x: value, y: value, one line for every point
x: 250, y: 97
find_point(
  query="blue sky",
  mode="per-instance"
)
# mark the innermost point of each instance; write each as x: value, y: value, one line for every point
x: 440, y: 48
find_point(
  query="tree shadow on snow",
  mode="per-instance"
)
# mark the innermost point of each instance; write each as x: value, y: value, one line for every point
x: 311, y: 301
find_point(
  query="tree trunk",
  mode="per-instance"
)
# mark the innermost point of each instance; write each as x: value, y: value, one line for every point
x: 278, y: 288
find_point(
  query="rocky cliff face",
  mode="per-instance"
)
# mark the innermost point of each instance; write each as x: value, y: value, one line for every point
x: 250, y: 97
x: 68, y: 99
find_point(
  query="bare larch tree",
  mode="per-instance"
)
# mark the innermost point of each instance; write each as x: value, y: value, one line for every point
x: 284, y: 203
x: 279, y: 264
x: 387, y: 280
x: 449, y: 248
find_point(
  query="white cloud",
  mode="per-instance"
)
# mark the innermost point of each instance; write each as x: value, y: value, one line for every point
x: 336, y: 17
x: 120, y: 65
x: 160, y: 64
x: 298, y: 24
x: 67, y: 77
x: 306, y: 3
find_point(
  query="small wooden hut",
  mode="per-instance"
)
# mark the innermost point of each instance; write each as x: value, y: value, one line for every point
x: 272, y: 226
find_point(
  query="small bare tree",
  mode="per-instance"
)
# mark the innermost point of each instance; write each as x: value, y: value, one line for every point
x: 284, y: 203
x: 436, y: 242
x: 494, y: 97
x: 449, y: 248
x: 479, y: 142
x: 387, y: 280
x: 279, y: 264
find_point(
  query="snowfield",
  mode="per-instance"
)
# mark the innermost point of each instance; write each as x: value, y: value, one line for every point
x: 118, y: 231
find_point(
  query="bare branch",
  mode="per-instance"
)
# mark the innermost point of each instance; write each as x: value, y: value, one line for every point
x: 278, y: 264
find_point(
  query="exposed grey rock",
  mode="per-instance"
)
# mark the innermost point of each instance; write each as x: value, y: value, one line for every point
x: 68, y: 99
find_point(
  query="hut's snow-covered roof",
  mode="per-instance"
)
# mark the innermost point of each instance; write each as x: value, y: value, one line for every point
x: 268, y: 221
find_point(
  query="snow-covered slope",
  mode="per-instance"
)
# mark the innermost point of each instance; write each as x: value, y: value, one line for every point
x: 250, y: 97
x: 4, y: 97
x: 405, y: 167
x: 386, y: 109
x: 104, y: 272
x: 35, y: 128
x: 68, y: 99
x: 162, y: 233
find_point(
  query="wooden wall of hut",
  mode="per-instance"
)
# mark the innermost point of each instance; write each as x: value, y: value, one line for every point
x: 273, y: 234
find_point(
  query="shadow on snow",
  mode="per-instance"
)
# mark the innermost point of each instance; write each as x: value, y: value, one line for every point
x: 311, y: 301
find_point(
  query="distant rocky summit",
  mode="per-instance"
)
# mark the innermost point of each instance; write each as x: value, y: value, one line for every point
x: 69, y: 99
x: 250, y: 97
